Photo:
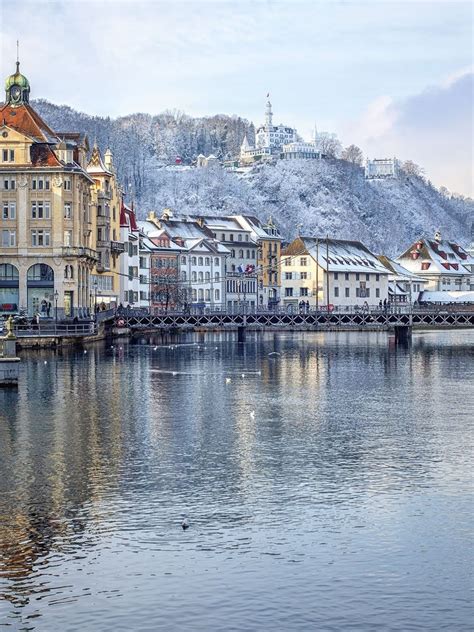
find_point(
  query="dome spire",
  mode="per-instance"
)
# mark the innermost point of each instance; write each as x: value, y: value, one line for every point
x: 17, y: 87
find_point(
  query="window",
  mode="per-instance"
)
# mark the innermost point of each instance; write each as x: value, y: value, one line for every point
x: 8, y: 238
x: 40, y: 183
x: 248, y: 254
x: 207, y: 261
x: 200, y: 260
x: 67, y: 210
x: 246, y: 237
x: 8, y: 183
x: 216, y: 276
x: 9, y: 210
x: 183, y: 259
x: 288, y: 276
x: 336, y: 292
x: 208, y: 276
x: 367, y: 277
x: 303, y: 291
x: 193, y: 276
x: 336, y: 276
x: 8, y: 155
x: 241, y: 254
x: 200, y: 294
x: 303, y: 261
x: 208, y: 295
x: 200, y: 277
x: 288, y: 291
x: 68, y: 237
x: 348, y: 292
x: 68, y: 272
x: 377, y: 277
x: 194, y: 295
x: 303, y: 275
x: 240, y: 238
x: 183, y: 275
x: 357, y: 276
x: 216, y: 261
x: 40, y: 210
x: 217, y: 295
x: 231, y: 237
x: 40, y: 238
x: 346, y: 276
x: 232, y: 253
x: 377, y: 292
x: 288, y: 261
x: 67, y: 184
x: 222, y: 237
x: 193, y: 261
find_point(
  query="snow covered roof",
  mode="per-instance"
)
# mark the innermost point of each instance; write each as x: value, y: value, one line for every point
x: 337, y: 254
x: 249, y: 222
x: 430, y: 256
x: 398, y: 271
x: 454, y: 296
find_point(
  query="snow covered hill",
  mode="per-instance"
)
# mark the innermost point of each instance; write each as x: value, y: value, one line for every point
x: 311, y: 197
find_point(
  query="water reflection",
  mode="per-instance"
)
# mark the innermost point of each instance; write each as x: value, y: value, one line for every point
x: 343, y: 448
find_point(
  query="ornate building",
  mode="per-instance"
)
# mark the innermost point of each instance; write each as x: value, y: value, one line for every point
x: 106, y: 201
x: 46, y: 249
x: 269, y: 139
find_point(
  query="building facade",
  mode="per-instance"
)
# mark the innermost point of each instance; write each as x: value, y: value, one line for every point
x: 444, y: 265
x: 381, y: 168
x: 47, y: 250
x: 331, y: 272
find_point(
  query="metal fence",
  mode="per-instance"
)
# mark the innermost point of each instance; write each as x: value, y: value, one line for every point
x: 53, y: 329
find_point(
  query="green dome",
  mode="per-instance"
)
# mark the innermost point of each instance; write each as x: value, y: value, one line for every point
x: 17, y: 79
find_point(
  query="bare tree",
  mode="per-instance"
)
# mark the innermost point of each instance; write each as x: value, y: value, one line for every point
x: 412, y: 169
x: 353, y: 154
x: 329, y: 145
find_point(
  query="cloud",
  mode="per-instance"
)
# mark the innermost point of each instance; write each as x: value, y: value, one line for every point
x: 433, y: 128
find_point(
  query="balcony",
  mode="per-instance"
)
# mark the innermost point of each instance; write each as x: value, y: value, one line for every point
x: 103, y: 220
x: 102, y: 244
x: 79, y: 251
x: 104, y: 195
x: 117, y: 247
x: 101, y: 267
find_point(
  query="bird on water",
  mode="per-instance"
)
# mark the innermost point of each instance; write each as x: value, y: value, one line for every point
x: 185, y: 523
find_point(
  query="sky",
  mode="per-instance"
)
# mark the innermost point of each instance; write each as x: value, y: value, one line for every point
x: 394, y: 77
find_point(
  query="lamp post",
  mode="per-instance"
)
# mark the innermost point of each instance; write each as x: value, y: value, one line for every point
x: 56, y: 296
x: 95, y: 284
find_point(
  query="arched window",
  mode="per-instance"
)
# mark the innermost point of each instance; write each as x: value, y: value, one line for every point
x: 241, y: 254
x: 200, y: 276
x: 232, y: 253
x: 40, y: 272
x: 183, y: 259
x: 248, y: 254
x: 194, y: 295
x: 207, y: 261
x: 208, y: 295
x: 193, y: 276
x: 216, y: 261
x: 183, y: 275
x: 208, y: 276
x: 193, y: 261
x: 201, y: 294
x: 216, y: 276
x: 8, y: 272
x: 200, y: 261
x: 216, y: 295
x: 240, y: 237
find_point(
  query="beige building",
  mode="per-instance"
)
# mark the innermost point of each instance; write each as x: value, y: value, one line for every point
x: 106, y: 201
x: 46, y: 249
x: 331, y: 272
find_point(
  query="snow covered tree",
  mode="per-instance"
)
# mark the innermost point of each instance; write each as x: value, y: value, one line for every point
x: 353, y: 154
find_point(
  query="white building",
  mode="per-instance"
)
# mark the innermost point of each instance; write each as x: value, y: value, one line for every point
x: 381, y: 168
x: 269, y: 139
x: 300, y: 150
x: 403, y: 286
x: 130, y: 260
x: 445, y: 265
x: 240, y: 262
x: 146, y: 248
x: 331, y: 272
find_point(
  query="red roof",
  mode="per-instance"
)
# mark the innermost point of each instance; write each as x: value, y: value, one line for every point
x: 25, y: 120
x: 132, y: 220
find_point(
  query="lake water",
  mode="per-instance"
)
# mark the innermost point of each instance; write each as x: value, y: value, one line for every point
x: 328, y: 487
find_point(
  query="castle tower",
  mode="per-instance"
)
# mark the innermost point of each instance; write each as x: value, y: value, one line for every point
x: 268, y: 114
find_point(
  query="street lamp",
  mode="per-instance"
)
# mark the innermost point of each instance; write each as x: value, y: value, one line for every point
x: 56, y: 296
x: 95, y: 285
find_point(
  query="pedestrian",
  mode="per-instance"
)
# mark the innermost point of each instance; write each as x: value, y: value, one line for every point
x: 48, y: 309
x: 43, y: 306
x: 380, y: 304
x: 385, y: 304
x: 307, y: 307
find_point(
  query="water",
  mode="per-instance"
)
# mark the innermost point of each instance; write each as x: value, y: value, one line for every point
x: 329, y: 488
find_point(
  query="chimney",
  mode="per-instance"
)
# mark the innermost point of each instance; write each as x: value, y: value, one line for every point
x: 438, y: 236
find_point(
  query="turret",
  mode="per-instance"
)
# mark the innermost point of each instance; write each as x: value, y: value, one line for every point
x: 17, y: 88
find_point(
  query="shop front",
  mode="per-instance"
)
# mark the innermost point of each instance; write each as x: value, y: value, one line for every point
x: 40, y: 290
x: 9, y: 289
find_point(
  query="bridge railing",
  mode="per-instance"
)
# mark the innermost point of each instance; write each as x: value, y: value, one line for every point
x: 53, y: 329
